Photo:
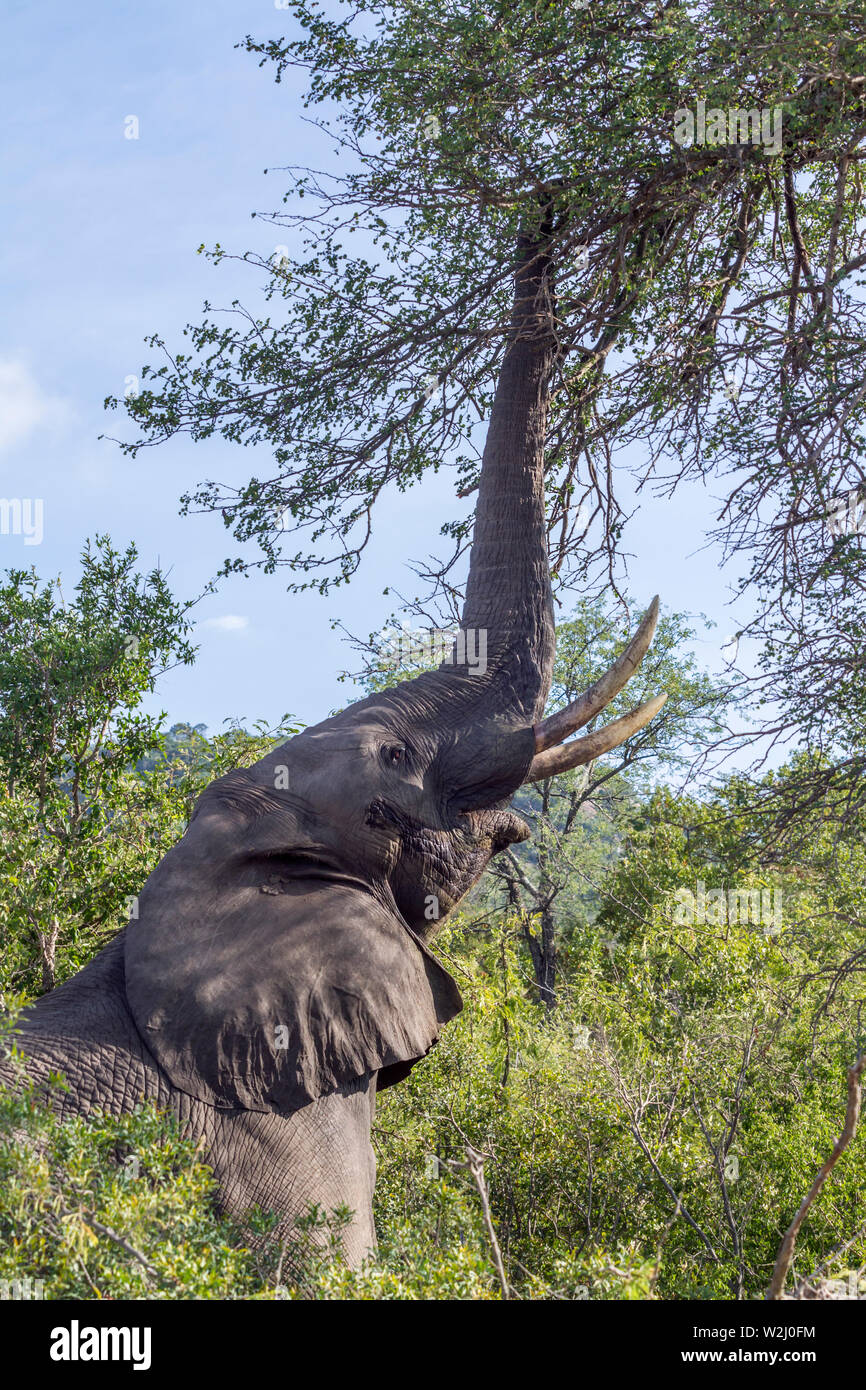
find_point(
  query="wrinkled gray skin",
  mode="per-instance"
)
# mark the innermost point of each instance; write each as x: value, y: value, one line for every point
x: 277, y: 973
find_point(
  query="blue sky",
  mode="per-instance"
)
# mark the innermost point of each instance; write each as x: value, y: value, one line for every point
x: 99, y: 250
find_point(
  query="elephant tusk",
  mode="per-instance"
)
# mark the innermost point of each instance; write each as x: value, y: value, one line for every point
x: 564, y: 722
x: 585, y: 750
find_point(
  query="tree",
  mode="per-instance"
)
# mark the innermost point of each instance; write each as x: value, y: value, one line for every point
x: 749, y: 964
x: 72, y: 675
x: 80, y: 826
x: 654, y: 1136
x: 704, y: 174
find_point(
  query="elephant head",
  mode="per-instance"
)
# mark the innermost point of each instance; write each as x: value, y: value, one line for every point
x: 280, y: 949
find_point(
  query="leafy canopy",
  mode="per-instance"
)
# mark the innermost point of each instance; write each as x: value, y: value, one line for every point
x: 708, y: 302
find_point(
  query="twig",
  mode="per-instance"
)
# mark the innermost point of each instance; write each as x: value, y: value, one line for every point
x: 125, y: 1245
x: 476, y: 1168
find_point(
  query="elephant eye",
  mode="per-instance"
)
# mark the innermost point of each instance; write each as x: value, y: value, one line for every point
x: 394, y: 753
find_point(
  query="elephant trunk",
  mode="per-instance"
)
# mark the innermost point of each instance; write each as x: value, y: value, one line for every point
x: 485, y: 714
x: 508, y: 595
x: 480, y: 706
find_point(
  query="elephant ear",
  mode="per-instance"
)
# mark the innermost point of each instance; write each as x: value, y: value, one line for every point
x: 264, y: 990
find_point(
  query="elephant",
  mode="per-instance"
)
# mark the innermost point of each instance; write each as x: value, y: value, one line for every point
x: 278, y: 973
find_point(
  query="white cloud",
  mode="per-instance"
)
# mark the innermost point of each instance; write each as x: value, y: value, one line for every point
x: 229, y: 622
x: 24, y: 407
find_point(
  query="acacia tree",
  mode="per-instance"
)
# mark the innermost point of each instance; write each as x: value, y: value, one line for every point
x: 708, y: 304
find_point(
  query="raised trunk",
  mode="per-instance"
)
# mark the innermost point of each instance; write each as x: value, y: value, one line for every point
x: 508, y: 591
x: 482, y: 716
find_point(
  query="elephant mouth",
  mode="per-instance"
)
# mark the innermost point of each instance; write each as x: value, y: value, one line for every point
x: 472, y: 830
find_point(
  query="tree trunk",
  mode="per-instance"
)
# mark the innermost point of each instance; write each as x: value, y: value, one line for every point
x: 48, y: 953
x: 542, y: 950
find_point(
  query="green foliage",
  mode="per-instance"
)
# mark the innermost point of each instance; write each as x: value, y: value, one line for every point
x: 81, y: 825
x: 651, y: 1137
x: 72, y: 676
x: 656, y: 1136
x: 374, y: 354
x: 578, y: 818
x: 111, y: 1207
